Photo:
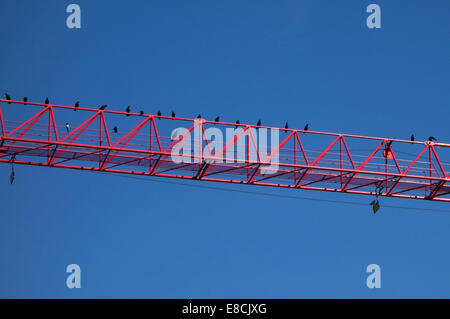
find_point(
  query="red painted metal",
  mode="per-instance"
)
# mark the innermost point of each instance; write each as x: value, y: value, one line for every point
x: 306, y: 160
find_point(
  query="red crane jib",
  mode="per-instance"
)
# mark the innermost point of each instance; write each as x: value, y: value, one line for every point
x: 157, y: 145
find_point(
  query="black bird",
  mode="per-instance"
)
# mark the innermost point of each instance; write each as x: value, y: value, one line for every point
x: 159, y: 114
x: 431, y: 138
x: 115, y: 129
x: 306, y: 128
x: 259, y: 123
x: 25, y: 99
x: 103, y: 107
x: 141, y: 112
x: 128, y: 110
x: 286, y: 126
x: 77, y: 104
x: 237, y: 122
x: 217, y: 119
x: 173, y: 114
x: 67, y: 126
x: 199, y: 116
x: 8, y: 97
x: 388, y: 144
x: 47, y: 101
x: 412, y: 137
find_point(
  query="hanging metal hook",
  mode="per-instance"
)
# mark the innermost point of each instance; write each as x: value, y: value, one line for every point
x: 11, y: 177
x: 376, y: 203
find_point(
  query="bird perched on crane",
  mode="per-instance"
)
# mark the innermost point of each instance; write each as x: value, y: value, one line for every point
x: 7, y: 97
x: 306, y: 128
x: 77, y: 104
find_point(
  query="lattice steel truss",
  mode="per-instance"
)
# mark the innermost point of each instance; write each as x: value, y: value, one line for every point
x: 40, y: 134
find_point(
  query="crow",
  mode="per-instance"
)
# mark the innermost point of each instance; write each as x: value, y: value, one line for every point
x: 306, y: 128
x: 115, y: 129
x: 103, y: 107
x: 77, y: 104
x: 237, y: 122
x: 259, y: 123
x: 431, y: 138
x: 412, y: 138
x: 286, y: 126
x: 47, y: 101
x: 25, y: 99
x: 7, y: 97
x: 141, y: 112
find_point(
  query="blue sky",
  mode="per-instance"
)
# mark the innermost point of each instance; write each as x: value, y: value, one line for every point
x: 302, y: 61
